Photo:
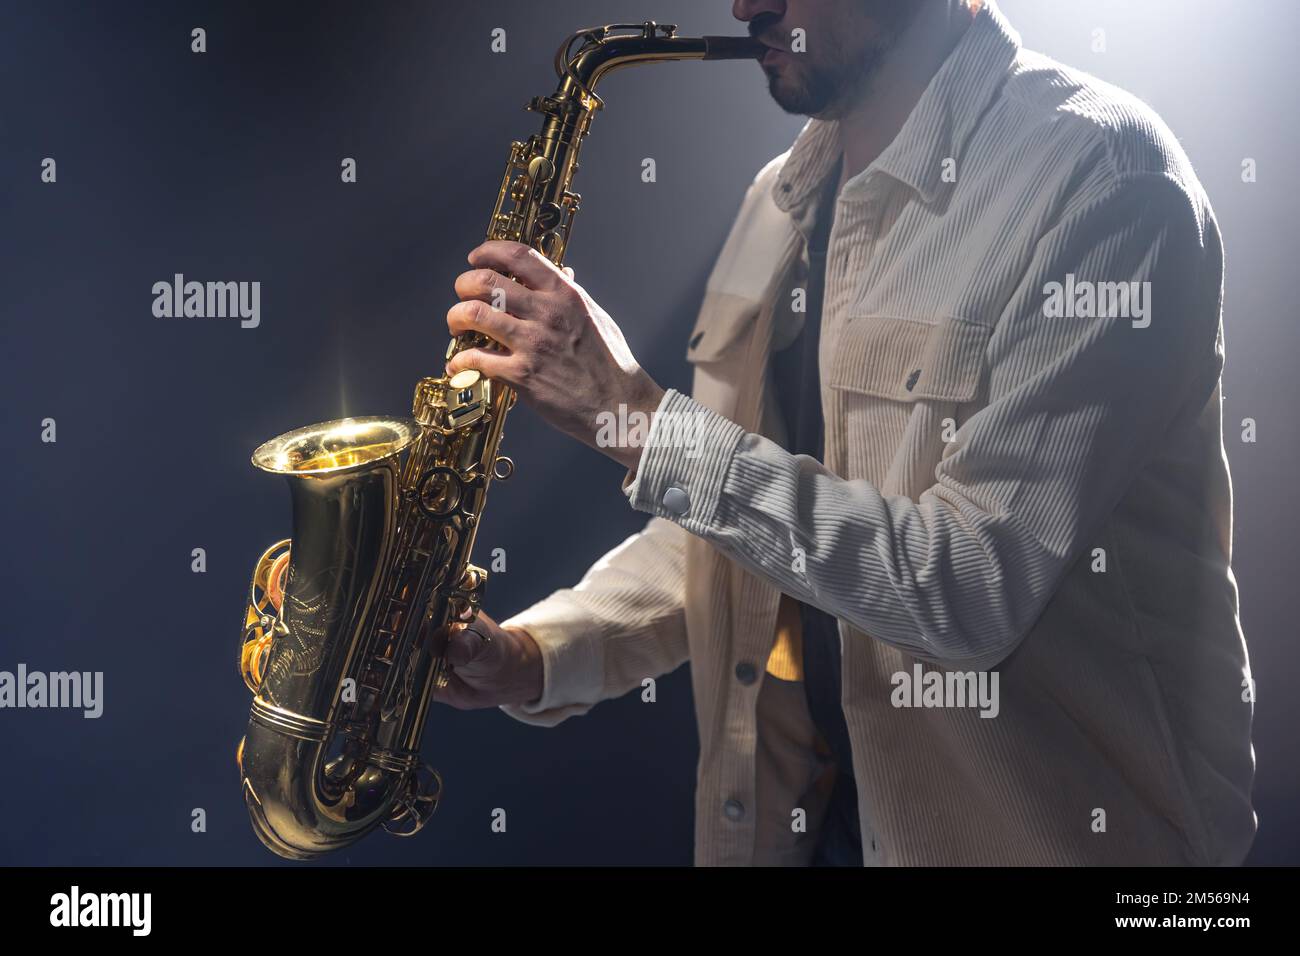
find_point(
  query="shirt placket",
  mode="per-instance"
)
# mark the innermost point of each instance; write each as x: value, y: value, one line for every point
x: 753, y: 615
x: 857, y: 225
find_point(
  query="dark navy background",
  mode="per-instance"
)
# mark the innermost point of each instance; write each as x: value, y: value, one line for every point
x: 225, y: 166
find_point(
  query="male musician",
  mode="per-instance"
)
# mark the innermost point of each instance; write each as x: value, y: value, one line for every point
x: 945, y: 526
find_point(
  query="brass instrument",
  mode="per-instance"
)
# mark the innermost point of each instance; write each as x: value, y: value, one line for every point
x: 346, y: 622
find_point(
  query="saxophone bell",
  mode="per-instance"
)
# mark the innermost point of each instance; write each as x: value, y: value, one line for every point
x: 308, y: 784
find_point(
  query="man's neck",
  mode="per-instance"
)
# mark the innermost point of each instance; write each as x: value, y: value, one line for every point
x: 871, y: 124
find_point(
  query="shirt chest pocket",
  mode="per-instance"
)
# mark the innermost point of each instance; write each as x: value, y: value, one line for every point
x: 897, y: 391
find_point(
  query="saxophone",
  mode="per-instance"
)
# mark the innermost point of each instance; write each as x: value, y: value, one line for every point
x: 346, y: 624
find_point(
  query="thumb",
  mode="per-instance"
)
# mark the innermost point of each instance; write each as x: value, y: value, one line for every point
x: 466, y: 643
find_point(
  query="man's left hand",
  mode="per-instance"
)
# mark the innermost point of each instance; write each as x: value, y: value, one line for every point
x: 560, y: 351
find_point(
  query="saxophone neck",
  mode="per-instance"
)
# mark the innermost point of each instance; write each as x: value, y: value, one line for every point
x: 536, y: 204
x: 600, y: 50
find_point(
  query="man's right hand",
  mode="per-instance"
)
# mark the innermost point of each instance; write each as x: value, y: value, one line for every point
x: 490, y: 666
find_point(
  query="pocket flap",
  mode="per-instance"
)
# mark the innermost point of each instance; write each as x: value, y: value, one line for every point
x: 722, y: 318
x: 758, y: 254
x: 909, y: 359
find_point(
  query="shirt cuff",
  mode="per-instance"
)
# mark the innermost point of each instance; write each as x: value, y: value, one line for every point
x: 684, y: 463
x: 573, y: 663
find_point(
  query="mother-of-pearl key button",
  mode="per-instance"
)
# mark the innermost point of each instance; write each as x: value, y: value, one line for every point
x: 464, y: 379
x: 676, y: 501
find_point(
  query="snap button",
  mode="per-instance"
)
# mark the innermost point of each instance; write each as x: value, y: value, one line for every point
x: 746, y: 672
x: 676, y: 501
x: 733, y: 810
x: 912, y: 379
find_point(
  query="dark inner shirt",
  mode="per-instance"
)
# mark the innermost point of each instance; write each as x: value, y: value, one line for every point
x: 798, y: 382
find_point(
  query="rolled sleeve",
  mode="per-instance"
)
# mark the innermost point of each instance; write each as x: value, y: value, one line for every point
x: 622, y: 623
x: 573, y: 669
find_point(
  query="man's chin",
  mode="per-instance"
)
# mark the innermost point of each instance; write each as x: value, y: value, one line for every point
x: 794, y: 98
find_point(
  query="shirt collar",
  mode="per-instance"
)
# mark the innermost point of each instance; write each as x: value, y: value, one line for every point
x: 936, y: 129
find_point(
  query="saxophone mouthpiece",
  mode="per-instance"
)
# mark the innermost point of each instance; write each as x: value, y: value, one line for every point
x: 732, y: 48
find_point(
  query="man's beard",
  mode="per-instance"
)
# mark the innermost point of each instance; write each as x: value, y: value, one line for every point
x: 822, y: 92
x: 830, y: 88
